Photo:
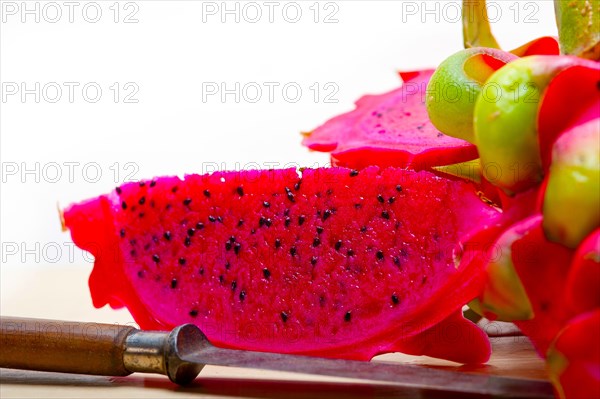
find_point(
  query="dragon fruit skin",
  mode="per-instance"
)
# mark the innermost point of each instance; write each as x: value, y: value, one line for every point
x: 391, y: 129
x: 570, y: 99
x: 336, y: 263
x: 583, y: 282
x: 574, y: 358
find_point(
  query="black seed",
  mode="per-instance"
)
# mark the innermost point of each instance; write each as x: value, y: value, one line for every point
x: 598, y: 85
x: 207, y: 193
x: 287, y: 221
x: 266, y: 204
x: 385, y: 215
x: 329, y: 191
x: 353, y: 173
x: 348, y: 316
x: 140, y: 274
x: 350, y: 252
x: 357, y: 206
x: 199, y: 226
x: 232, y: 239
x: 168, y: 206
x: 277, y: 243
x: 182, y: 261
x: 174, y: 189
x: 399, y: 188
x: 284, y: 316
x: 293, y: 251
x: 396, y: 260
x: 236, y: 247
x: 261, y: 221
x: 286, y: 212
x: 124, y: 205
x: 187, y: 201
x: 240, y: 223
x: 240, y: 191
x: 313, y: 260
x: 142, y: 184
x: 268, y: 222
x: 266, y: 273
x: 290, y: 196
x: 338, y: 245
x: 212, y: 219
x: 242, y: 296
x: 141, y: 215
x: 219, y: 219
x: 287, y: 190
x: 174, y: 283
x: 193, y: 313
x: 155, y: 239
x: 146, y: 247
x: 319, y: 229
x: 380, y: 198
x: 392, y: 200
x: 167, y: 235
x: 191, y: 232
x: 142, y: 201
x: 301, y: 220
x: 227, y: 246
x: 156, y: 258
x: 363, y: 229
x: 227, y: 265
x: 327, y: 214
x: 395, y: 299
x: 132, y: 241
x: 221, y: 279
x: 119, y: 191
x: 316, y: 242
x: 233, y: 285
x: 187, y: 242
x: 132, y: 252
x: 122, y: 232
x: 297, y: 185
x: 153, y: 183
x: 379, y: 255
x: 201, y: 271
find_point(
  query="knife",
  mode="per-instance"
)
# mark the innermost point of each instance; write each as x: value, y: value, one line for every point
x: 119, y: 350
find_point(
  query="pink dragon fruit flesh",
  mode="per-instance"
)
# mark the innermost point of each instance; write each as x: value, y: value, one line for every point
x: 333, y: 262
x: 391, y: 129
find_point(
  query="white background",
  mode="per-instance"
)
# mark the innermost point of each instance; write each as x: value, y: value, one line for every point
x: 169, y: 54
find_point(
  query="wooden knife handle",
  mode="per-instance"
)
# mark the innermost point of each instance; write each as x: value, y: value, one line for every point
x: 63, y: 346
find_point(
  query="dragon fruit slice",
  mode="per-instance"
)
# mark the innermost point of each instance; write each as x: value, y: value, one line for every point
x: 391, y: 129
x: 334, y: 262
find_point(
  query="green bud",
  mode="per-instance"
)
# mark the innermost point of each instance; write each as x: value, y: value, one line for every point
x: 455, y: 86
x: 505, y: 121
x: 572, y: 199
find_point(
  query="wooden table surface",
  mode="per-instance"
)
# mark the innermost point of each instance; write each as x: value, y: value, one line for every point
x: 61, y: 293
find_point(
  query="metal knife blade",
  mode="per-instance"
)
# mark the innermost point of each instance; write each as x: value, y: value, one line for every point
x: 407, y: 375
